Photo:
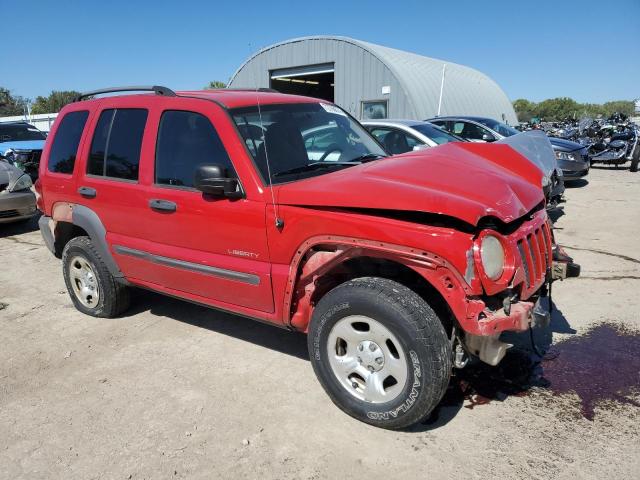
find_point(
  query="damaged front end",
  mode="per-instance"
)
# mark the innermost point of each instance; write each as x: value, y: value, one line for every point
x: 518, y: 298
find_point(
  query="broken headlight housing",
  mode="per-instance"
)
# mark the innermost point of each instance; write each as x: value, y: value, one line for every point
x: 492, y: 256
x: 23, y: 183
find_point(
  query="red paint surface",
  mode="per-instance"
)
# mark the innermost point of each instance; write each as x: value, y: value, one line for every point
x: 466, y: 182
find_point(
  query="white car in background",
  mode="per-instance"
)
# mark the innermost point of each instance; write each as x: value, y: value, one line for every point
x: 400, y: 136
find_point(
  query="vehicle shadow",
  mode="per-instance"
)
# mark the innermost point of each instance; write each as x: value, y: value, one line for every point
x: 519, y: 371
x: 248, y: 330
x: 604, y: 166
x: 577, y: 183
x: 18, y: 228
x: 477, y: 384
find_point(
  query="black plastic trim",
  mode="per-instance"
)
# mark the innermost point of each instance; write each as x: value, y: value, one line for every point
x: 194, y: 267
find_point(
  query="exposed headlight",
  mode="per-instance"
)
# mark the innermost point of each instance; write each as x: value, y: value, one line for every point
x: 23, y: 183
x: 572, y: 157
x: 492, y: 256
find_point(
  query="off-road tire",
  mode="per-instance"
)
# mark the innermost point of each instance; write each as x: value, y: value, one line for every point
x: 635, y: 159
x: 114, y: 297
x: 419, y: 331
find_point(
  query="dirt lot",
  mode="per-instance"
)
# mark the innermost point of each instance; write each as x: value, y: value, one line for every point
x: 176, y: 390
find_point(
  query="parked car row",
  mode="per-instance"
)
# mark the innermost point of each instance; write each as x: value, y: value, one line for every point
x: 400, y: 267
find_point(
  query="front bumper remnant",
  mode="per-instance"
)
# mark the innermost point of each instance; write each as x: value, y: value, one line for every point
x: 489, y: 348
x: 563, y: 265
x: 521, y: 315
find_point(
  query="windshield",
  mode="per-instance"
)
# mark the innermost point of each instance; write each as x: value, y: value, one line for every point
x: 18, y: 133
x: 303, y: 140
x: 436, y: 134
x: 501, y: 128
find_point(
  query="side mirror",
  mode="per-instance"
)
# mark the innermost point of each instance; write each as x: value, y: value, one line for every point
x: 487, y: 137
x: 422, y: 146
x: 212, y: 179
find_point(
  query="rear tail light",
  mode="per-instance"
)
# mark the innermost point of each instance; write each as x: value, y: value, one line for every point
x: 39, y: 200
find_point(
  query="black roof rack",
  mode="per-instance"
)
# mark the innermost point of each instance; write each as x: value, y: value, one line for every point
x: 259, y: 89
x: 167, y: 92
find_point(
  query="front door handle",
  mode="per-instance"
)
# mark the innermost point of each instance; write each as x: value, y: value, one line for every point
x: 162, y: 205
x: 87, y: 192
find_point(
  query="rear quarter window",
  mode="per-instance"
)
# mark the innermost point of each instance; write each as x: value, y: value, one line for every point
x: 62, y: 156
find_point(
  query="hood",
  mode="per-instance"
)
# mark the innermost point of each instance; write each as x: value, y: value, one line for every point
x: 563, y: 145
x: 467, y: 181
x: 8, y: 173
x: 22, y: 145
x: 535, y: 146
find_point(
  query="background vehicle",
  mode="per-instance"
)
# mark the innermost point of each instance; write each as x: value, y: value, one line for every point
x: 572, y: 157
x: 21, y: 144
x: 397, y: 273
x: 17, y: 201
x: 610, y: 142
x: 474, y: 130
x: 400, y: 136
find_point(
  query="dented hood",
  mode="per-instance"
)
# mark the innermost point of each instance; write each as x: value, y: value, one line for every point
x: 467, y: 181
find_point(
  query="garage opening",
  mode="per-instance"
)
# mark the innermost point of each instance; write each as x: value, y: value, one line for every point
x: 311, y: 81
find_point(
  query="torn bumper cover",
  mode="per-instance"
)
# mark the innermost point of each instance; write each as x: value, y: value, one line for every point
x: 522, y: 315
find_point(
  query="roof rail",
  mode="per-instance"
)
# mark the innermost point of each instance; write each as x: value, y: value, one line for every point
x: 167, y: 92
x: 259, y: 89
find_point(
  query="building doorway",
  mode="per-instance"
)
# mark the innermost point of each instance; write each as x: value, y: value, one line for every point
x: 311, y: 80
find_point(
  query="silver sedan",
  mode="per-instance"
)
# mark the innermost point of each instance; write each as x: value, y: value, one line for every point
x: 17, y: 201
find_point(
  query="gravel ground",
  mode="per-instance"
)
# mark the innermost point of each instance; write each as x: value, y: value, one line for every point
x: 176, y: 390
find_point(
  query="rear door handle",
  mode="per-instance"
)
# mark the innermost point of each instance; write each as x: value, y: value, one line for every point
x: 162, y: 205
x: 87, y: 192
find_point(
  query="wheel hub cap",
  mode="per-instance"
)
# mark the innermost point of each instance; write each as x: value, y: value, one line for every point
x: 370, y: 356
x: 367, y: 359
x: 83, y: 282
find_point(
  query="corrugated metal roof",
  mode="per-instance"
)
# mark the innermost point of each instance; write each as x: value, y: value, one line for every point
x: 466, y: 90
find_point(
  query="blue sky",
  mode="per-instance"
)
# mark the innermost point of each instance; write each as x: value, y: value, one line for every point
x: 536, y: 49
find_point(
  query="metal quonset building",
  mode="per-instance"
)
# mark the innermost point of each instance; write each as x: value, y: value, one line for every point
x: 372, y: 81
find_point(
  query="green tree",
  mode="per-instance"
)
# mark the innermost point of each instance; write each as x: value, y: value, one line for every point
x: 54, y: 102
x: 564, y: 108
x: 215, y: 84
x: 525, y: 109
x: 11, y: 105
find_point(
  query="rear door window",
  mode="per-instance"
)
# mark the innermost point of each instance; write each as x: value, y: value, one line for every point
x: 64, y: 149
x: 116, y: 145
x: 187, y: 140
x: 395, y: 141
x: 471, y: 131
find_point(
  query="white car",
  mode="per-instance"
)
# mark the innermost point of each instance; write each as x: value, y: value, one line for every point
x: 400, y: 136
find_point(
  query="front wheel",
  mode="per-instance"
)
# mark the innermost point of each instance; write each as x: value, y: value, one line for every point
x: 380, y: 352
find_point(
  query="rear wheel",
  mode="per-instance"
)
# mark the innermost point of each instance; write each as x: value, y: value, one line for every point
x: 92, y: 288
x: 635, y: 159
x: 380, y: 352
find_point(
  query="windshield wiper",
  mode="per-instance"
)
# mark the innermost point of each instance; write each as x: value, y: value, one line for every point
x: 314, y: 166
x: 368, y: 157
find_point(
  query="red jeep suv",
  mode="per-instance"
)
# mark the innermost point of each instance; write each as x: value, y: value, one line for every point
x: 286, y: 210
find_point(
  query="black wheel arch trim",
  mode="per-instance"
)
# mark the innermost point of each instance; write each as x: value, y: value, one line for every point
x: 89, y: 221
